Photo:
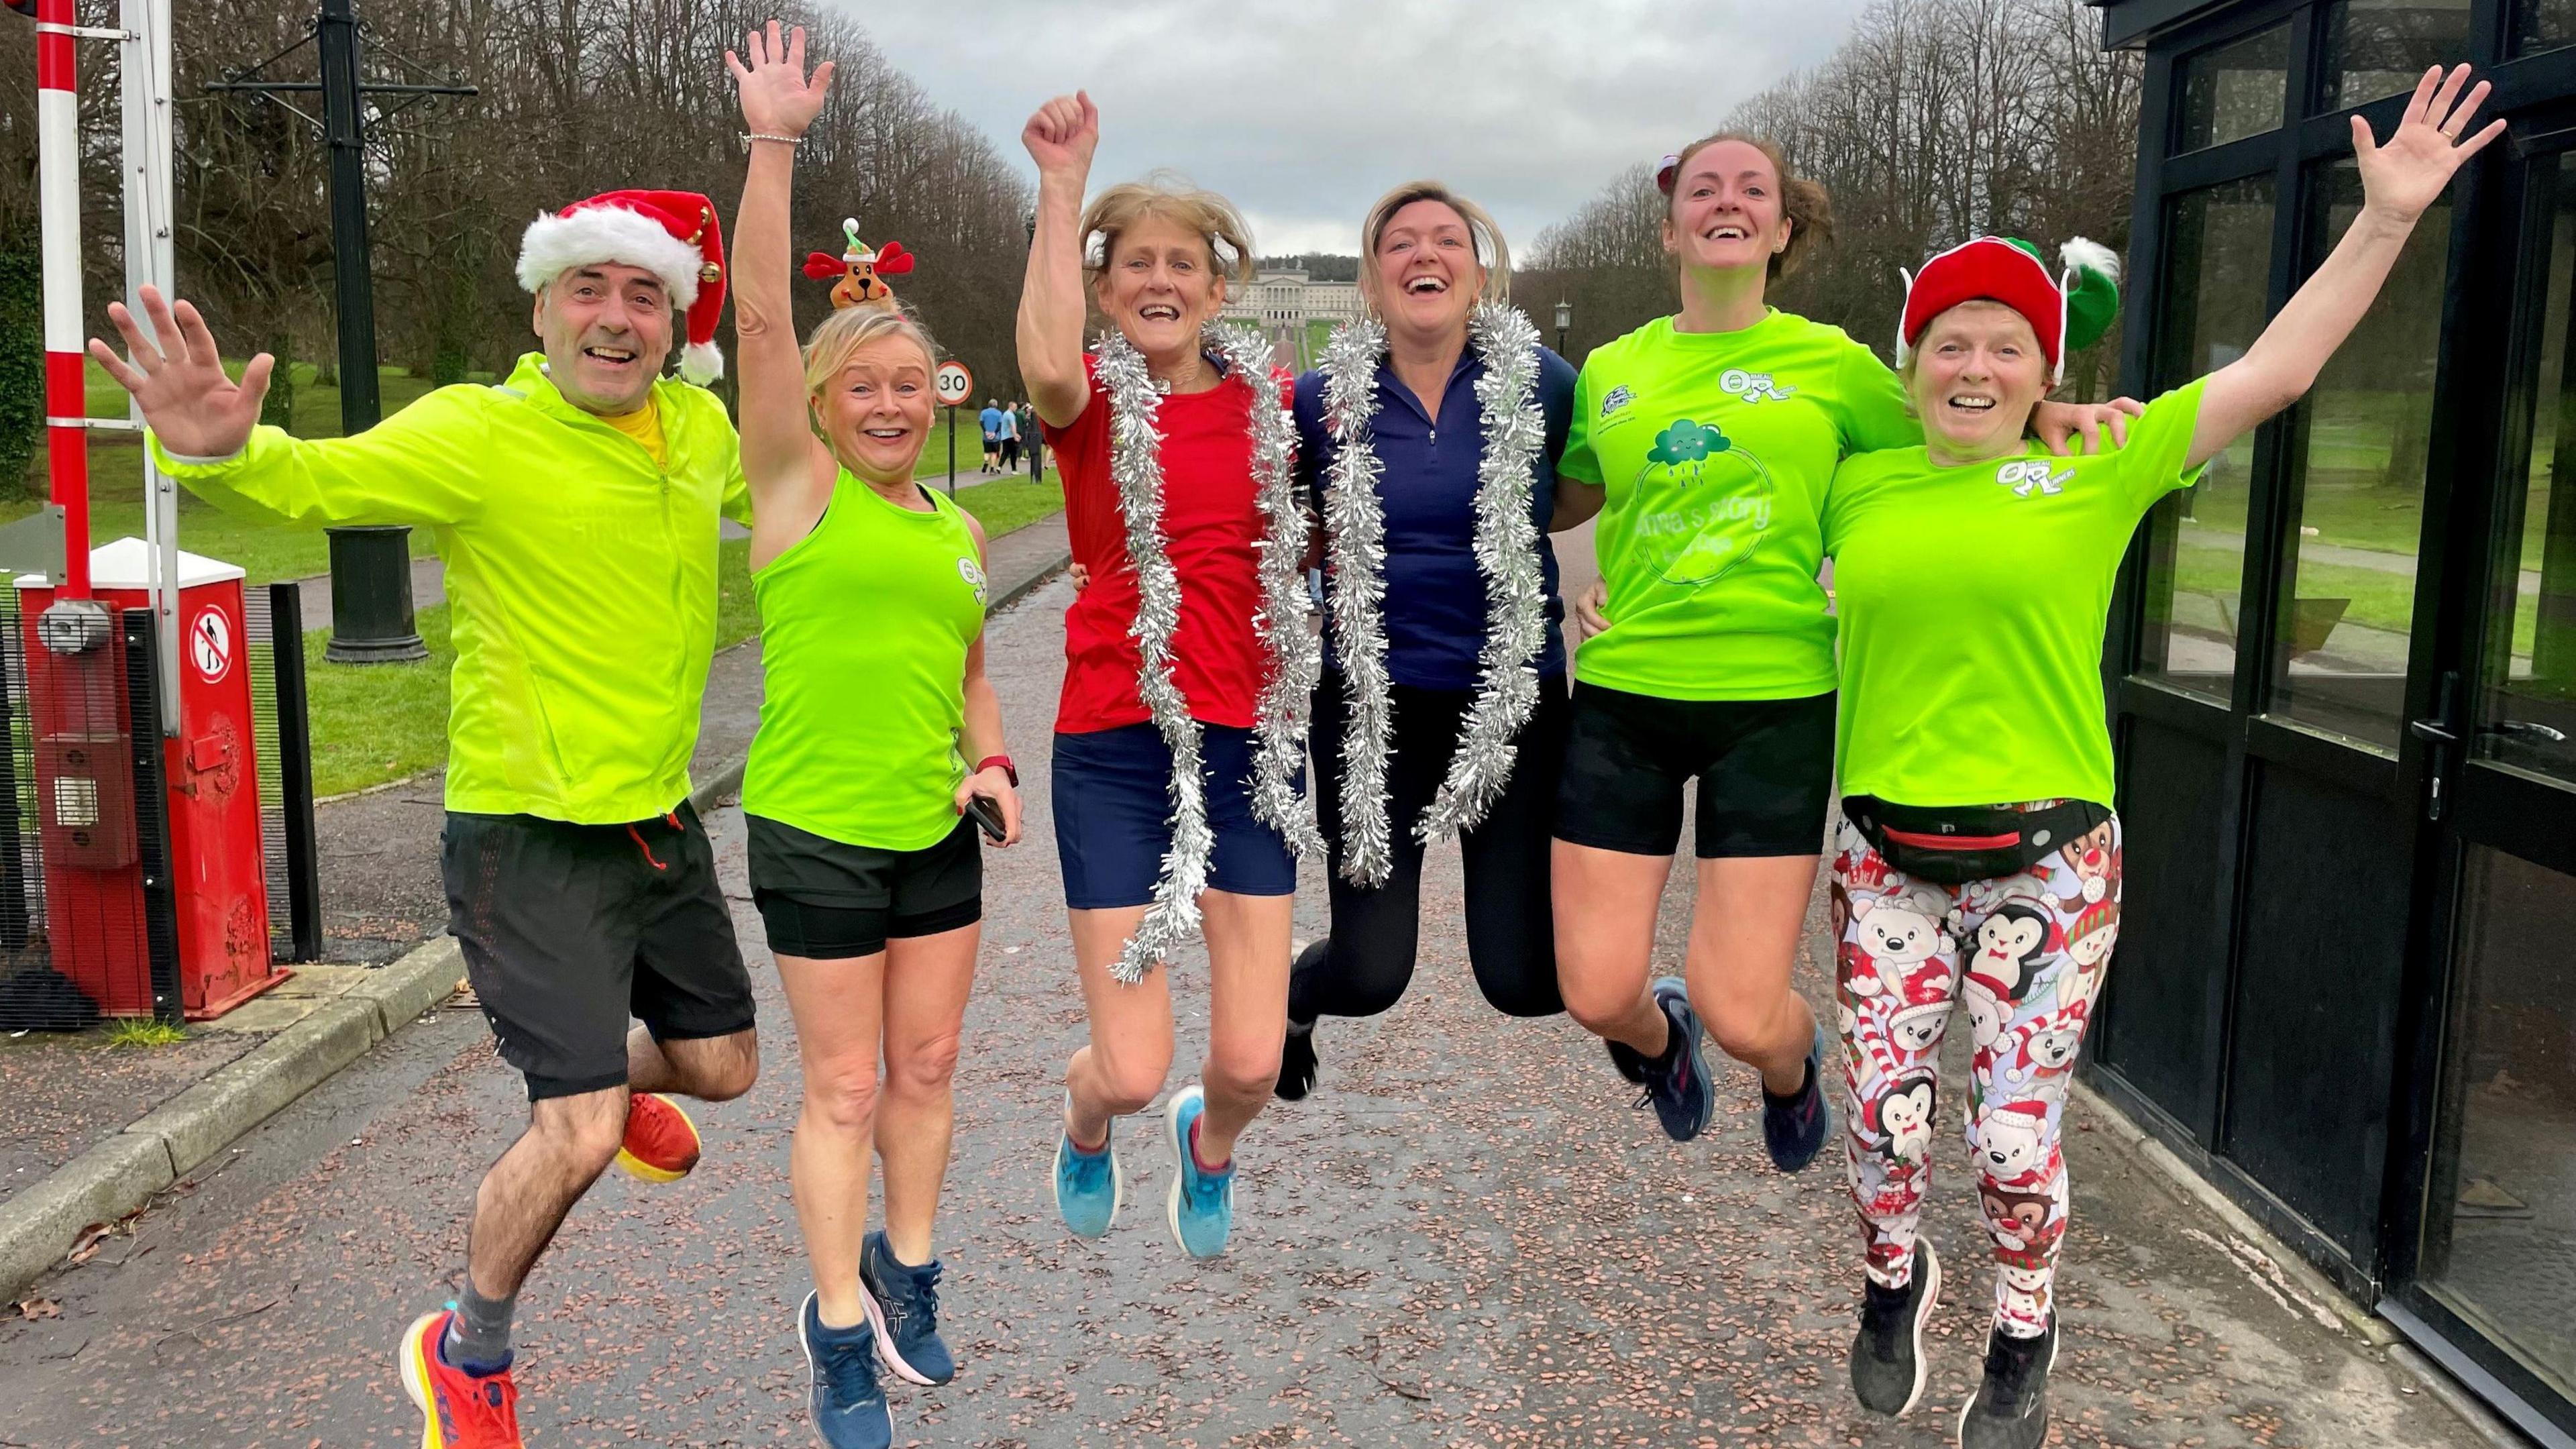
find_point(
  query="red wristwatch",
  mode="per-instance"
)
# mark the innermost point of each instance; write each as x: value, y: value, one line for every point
x: 1008, y: 769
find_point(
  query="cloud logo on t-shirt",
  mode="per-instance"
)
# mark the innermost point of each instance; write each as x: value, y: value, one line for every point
x: 1706, y: 504
x: 1687, y: 442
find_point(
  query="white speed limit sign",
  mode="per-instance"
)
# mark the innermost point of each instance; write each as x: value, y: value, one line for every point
x: 953, y: 383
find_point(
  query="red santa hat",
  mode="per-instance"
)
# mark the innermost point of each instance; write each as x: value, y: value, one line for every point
x: 672, y: 234
x: 2069, y: 311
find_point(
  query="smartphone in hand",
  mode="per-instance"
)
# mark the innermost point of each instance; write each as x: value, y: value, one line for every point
x: 988, y: 814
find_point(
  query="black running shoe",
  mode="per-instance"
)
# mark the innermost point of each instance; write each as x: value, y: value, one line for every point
x: 1632, y: 1063
x: 1297, y: 1063
x: 2010, y: 1410
x: 1888, y: 1370
x: 1794, y: 1127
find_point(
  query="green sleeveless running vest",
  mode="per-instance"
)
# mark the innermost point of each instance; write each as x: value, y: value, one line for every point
x: 864, y: 627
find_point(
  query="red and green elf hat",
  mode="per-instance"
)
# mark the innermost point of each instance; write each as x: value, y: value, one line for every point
x: 2069, y: 311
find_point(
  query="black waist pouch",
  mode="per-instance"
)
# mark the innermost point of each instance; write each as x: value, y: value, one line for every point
x: 1956, y: 844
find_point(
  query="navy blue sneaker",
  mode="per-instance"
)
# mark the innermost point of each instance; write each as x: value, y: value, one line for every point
x: 1794, y: 1127
x: 902, y: 1303
x: 1088, y: 1187
x: 1202, y: 1202
x: 841, y: 1369
x: 1677, y: 1083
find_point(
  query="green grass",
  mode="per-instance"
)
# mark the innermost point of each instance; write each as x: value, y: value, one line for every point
x: 378, y: 722
x: 1004, y: 505
x: 144, y: 1031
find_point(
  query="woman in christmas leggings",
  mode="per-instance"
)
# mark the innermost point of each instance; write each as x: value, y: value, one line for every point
x: 1978, y: 858
x: 1432, y: 431
x: 1707, y: 439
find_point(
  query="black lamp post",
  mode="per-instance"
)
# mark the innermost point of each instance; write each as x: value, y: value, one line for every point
x: 1564, y: 321
x: 371, y: 602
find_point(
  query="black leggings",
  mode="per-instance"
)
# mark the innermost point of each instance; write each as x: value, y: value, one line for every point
x: 1363, y: 967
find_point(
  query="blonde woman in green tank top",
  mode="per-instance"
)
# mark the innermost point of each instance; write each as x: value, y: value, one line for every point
x: 864, y: 866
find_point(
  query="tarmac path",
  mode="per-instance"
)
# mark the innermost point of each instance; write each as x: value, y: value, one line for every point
x: 1467, y: 1237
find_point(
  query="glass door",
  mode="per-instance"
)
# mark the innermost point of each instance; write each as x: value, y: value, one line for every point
x: 2496, y: 1247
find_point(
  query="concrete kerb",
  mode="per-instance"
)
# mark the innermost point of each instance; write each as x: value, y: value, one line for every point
x: 38, y: 1226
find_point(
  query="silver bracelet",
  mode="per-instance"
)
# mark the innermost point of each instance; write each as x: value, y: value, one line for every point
x: 750, y: 136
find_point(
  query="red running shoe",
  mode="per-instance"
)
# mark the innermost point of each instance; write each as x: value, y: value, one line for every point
x: 661, y: 1142
x: 457, y: 1409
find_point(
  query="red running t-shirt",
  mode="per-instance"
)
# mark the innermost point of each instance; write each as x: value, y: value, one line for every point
x: 1211, y: 522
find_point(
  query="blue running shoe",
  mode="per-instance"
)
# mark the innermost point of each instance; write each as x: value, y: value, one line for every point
x: 1794, y: 1127
x: 1088, y: 1188
x: 902, y: 1303
x: 1202, y: 1203
x: 841, y: 1367
x: 1677, y: 1083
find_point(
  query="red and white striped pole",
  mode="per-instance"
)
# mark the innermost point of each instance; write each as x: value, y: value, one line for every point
x: 58, y: 187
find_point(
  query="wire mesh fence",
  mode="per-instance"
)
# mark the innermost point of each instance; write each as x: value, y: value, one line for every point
x: 77, y: 857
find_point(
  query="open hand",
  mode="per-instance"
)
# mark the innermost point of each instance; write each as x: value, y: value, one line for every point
x: 187, y: 400
x: 778, y: 98
x: 1063, y: 134
x: 2404, y: 176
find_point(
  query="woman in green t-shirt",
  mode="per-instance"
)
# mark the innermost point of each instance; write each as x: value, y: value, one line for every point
x: 865, y: 869
x: 1706, y: 439
x: 1973, y: 574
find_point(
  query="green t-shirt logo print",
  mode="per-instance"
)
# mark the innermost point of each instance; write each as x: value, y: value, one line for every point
x: 1725, y: 503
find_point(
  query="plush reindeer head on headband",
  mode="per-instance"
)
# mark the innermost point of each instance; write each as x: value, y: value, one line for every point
x: 861, y: 269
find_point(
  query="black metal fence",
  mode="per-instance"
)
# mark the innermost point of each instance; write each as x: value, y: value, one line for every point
x: 273, y: 618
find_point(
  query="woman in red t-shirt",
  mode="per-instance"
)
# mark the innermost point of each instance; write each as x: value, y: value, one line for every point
x: 1189, y: 642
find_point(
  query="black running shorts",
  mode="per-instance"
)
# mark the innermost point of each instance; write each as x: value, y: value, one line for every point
x: 568, y: 930
x: 1765, y: 769
x: 829, y: 901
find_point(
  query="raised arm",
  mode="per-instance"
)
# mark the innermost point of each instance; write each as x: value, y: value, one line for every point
x: 1060, y: 138
x: 415, y: 467
x: 2398, y: 181
x: 779, y: 451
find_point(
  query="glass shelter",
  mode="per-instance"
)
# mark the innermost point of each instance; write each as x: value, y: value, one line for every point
x: 2343, y: 679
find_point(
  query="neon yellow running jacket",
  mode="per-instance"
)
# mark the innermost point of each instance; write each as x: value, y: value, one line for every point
x: 582, y: 576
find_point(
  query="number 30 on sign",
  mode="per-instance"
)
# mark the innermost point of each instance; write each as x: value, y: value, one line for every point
x: 953, y: 383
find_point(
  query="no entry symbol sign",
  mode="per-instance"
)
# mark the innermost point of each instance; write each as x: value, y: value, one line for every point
x: 210, y: 644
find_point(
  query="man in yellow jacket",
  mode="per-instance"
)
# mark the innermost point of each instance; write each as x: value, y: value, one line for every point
x: 576, y: 507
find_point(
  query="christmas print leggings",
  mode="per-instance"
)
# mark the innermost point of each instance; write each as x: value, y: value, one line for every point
x: 2027, y: 953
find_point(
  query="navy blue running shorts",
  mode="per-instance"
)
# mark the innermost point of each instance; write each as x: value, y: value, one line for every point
x: 1113, y: 817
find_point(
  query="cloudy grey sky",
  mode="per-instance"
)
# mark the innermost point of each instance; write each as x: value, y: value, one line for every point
x: 1304, y: 113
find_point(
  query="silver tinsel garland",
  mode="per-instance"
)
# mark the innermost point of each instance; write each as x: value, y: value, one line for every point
x: 1355, y: 535
x: 1136, y: 465
x: 1296, y: 656
x: 1506, y: 548
x: 1515, y: 584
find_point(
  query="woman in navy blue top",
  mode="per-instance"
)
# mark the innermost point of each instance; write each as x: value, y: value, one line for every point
x: 1443, y: 703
